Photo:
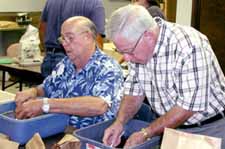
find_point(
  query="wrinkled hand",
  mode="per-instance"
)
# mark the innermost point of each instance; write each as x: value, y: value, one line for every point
x: 135, y: 139
x: 23, y: 96
x: 29, y: 109
x: 112, y: 134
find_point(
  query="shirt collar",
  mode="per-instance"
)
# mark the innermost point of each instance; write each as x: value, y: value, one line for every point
x: 161, y: 24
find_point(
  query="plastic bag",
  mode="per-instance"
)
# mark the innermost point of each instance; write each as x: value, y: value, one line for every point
x: 30, y: 51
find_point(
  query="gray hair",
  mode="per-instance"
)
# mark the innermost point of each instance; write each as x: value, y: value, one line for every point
x: 130, y: 22
x: 84, y: 24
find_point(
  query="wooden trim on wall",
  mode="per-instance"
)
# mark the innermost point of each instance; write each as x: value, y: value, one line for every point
x: 196, y: 13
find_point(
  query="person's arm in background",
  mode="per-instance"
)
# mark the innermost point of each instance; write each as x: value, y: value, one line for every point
x: 98, y: 17
x: 42, y: 26
x: 42, y: 30
x: 99, y: 40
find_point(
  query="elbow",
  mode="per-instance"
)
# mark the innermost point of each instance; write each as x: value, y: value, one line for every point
x: 103, y: 108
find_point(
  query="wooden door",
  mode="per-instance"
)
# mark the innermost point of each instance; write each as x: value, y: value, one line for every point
x: 209, y: 18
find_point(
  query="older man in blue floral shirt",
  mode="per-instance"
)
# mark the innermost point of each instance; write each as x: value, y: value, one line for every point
x: 86, y: 84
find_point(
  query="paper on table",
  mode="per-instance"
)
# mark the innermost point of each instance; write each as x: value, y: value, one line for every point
x: 6, y: 144
x: 3, y: 136
x: 35, y: 142
x: 6, y: 96
x: 68, y: 142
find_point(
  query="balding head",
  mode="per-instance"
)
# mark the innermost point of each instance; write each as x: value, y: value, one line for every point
x: 78, y: 37
x: 80, y: 24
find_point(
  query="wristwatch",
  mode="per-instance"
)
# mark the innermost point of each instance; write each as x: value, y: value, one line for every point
x: 145, y: 134
x: 45, y: 107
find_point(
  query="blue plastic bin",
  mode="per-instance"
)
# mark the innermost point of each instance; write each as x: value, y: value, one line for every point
x: 22, y: 130
x: 92, y: 135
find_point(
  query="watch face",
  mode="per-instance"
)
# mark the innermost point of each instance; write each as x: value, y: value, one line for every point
x: 45, y: 108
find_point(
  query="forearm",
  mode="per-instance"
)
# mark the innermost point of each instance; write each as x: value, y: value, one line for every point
x: 36, y: 92
x: 129, y: 107
x: 82, y: 106
x: 172, y: 119
x: 99, y: 41
x: 42, y: 30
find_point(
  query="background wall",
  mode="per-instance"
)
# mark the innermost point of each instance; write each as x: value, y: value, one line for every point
x: 111, y: 5
x: 9, y: 7
x: 184, y: 12
x: 21, y: 5
x: 37, y: 5
x: 212, y: 23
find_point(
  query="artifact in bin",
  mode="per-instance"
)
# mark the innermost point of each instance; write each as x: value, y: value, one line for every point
x: 10, y: 114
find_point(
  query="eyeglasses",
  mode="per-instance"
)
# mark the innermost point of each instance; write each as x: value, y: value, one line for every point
x: 69, y: 38
x: 131, y: 50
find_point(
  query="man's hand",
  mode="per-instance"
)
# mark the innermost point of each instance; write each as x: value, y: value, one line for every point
x: 29, y: 109
x: 112, y: 134
x: 24, y: 96
x: 135, y: 139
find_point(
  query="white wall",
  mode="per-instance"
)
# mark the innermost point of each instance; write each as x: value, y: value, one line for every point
x: 111, y: 5
x: 184, y: 11
x: 37, y: 5
x: 21, y: 5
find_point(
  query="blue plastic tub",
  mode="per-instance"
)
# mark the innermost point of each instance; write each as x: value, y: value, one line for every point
x: 22, y: 130
x: 91, y: 137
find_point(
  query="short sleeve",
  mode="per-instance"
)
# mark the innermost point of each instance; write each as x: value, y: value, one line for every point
x: 193, y: 81
x: 108, y: 85
x: 132, y: 84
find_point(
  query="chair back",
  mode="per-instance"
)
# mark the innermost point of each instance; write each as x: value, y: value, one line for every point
x: 13, y: 50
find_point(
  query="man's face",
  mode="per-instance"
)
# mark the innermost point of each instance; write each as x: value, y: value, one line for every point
x: 139, y: 51
x: 73, y: 42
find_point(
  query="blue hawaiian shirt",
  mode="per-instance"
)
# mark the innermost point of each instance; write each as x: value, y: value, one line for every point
x: 101, y: 77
